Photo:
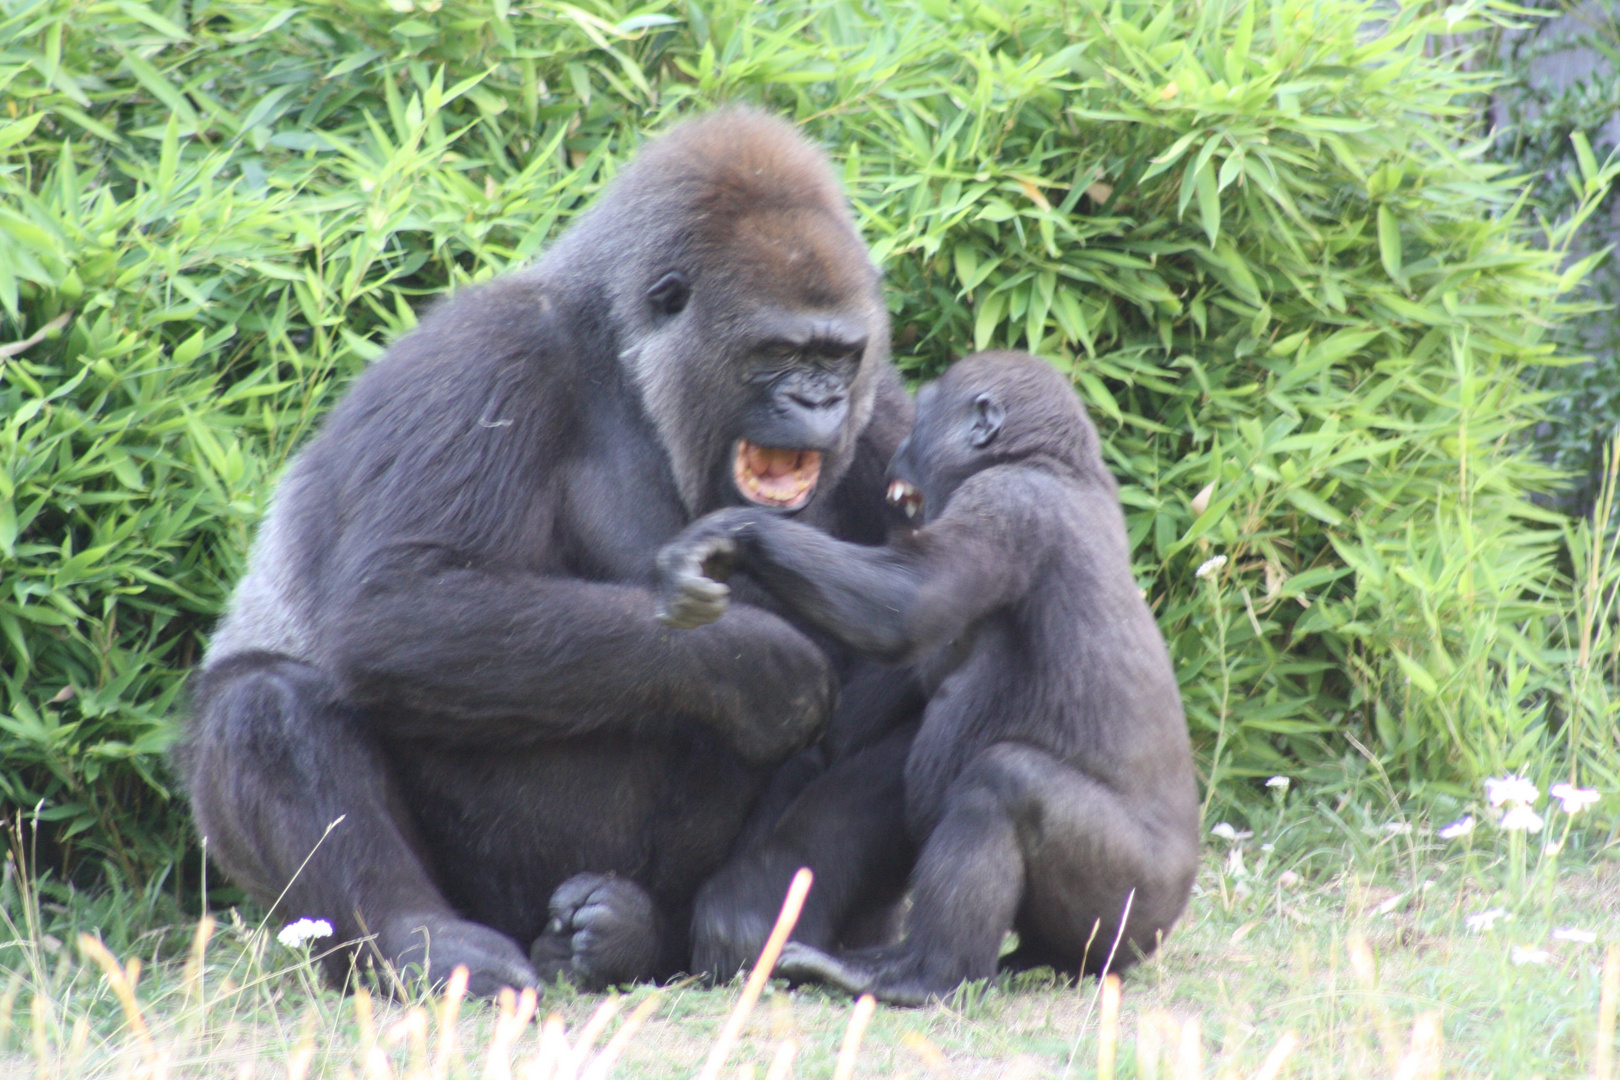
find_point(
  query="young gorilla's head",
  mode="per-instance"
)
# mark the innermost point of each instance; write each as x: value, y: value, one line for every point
x: 987, y: 409
x: 747, y: 311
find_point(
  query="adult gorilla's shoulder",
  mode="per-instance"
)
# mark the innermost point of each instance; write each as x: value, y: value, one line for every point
x: 444, y: 638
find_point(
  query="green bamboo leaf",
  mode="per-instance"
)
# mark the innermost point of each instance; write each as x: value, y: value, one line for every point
x: 1414, y: 671
x: 1209, y: 202
x: 1583, y: 155
x: 162, y: 89
x: 1389, y: 243
x: 1313, y: 506
x: 991, y: 309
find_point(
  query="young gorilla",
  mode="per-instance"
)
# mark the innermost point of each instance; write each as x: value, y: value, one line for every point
x: 1051, y: 783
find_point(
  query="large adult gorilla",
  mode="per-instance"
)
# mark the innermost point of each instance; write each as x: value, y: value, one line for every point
x: 439, y: 712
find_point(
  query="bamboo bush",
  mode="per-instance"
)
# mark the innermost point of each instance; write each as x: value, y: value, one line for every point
x: 1260, y: 235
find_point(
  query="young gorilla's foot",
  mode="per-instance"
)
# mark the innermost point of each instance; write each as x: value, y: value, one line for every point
x: 727, y: 942
x: 892, y: 974
x: 603, y: 931
x: 432, y: 946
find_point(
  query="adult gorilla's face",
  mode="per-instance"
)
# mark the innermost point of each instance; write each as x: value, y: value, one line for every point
x: 780, y: 333
x: 749, y: 311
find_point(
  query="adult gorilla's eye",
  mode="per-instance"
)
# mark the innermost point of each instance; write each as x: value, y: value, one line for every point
x: 669, y: 296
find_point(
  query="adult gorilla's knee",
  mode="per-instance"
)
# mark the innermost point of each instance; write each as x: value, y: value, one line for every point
x: 243, y: 757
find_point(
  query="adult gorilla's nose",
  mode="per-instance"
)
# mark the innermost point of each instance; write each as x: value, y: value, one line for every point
x: 817, y: 397
x: 815, y: 420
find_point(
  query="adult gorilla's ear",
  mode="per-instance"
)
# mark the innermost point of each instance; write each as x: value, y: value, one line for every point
x: 668, y: 297
x: 987, y: 417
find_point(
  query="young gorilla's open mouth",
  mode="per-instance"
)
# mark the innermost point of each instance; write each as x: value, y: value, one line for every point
x: 771, y: 476
x: 906, y: 498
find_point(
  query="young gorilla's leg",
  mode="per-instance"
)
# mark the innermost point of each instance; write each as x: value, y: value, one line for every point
x: 1024, y: 840
x: 297, y: 805
x: 848, y: 826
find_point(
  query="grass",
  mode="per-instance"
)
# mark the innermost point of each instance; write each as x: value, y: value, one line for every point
x: 1328, y: 944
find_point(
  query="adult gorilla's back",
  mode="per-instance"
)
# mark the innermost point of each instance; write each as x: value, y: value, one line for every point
x: 444, y: 640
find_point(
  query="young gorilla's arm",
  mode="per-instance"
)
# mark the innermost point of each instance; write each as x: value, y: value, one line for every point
x: 890, y: 602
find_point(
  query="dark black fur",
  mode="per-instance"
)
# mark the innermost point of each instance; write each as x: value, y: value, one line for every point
x: 444, y: 640
x: 1051, y: 783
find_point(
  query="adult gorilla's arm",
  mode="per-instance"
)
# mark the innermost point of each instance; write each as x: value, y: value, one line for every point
x: 506, y: 654
x: 921, y: 590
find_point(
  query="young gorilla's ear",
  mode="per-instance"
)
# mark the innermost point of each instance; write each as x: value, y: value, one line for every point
x: 987, y: 417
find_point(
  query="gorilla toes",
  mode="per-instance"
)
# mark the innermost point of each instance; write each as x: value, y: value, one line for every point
x: 603, y: 931
x: 430, y: 947
x: 724, y: 943
x: 893, y: 975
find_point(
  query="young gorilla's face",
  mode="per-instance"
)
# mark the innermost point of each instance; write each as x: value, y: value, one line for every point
x: 958, y: 420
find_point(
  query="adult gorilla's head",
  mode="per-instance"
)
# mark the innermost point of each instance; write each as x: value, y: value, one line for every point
x: 747, y: 311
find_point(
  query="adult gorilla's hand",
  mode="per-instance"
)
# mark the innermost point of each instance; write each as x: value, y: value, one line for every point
x: 765, y: 719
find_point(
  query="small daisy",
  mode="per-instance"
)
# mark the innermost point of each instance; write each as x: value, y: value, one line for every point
x: 1511, y: 789
x: 1226, y: 832
x: 1461, y: 827
x: 1579, y: 937
x: 1521, y: 955
x: 1209, y: 566
x: 1521, y: 819
x: 1484, y: 920
x: 295, y: 935
x: 1278, y: 782
x: 1575, y: 799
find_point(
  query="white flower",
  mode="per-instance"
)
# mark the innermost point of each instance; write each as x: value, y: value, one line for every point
x: 1521, y: 955
x: 1278, y: 782
x: 1484, y: 920
x: 1461, y: 827
x: 1226, y: 832
x: 1520, y: 819
x: 1209, y: 566
x: 1234, y: 863
x: 1552, y: 847
x: 1288, y: 879
x: 1575, y: 799
x: 1580, y: 937
x: 1510, y: 788
x: 295, y: 935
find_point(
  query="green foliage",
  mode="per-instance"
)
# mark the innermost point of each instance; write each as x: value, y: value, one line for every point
x: 1559, y: 104
x: 1254, y: 231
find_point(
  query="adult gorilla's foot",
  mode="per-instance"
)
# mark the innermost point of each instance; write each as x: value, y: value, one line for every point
x: 603, y: 931
x: 890, y: 974
x: 433, y: 946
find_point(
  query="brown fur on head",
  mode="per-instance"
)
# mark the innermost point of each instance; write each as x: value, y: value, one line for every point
x: 750, y: 215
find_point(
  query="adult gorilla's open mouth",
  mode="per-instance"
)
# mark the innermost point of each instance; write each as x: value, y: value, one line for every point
x: 778, y: 477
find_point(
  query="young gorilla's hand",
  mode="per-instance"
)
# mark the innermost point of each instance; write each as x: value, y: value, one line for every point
x: 693, y: 568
